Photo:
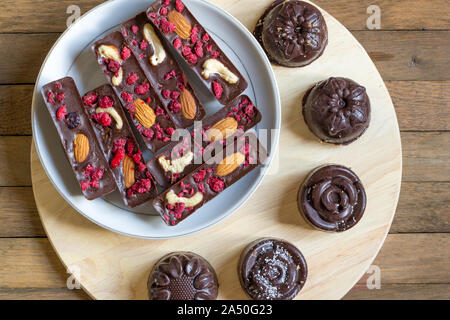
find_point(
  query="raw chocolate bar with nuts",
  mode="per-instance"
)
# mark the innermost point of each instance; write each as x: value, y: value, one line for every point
x: 142, y: 105
x: 119, y: 146
x: 163, y: 71
x: 180, y: 159
x: 177, y: 24
x: 78, y: 139
x: 210, y: 179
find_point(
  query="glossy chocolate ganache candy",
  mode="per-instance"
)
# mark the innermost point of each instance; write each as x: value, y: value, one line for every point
x: 337, y: 110
x: 183, y: 276
x: 272, y: 269
x: 293, y: 33
x: 332, y: 198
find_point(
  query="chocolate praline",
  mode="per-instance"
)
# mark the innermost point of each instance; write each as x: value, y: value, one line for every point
x: 332, y: 198
x: 293, y: 33
x: 182, y: 276
x: 272, y: 269
x: 337, y: 110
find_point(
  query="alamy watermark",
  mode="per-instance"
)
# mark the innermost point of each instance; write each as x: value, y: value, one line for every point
x: 75, y: 14
x: 374, y: 20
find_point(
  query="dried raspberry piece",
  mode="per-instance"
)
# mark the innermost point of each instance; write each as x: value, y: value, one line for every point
x: 186, y: 51
x: 177, y: 43
x: 132, y: 78
x: 159, y: 111
x: 102, y: 118
x: 218, y: 90
x: 179, y: 5
x: 166, y: 26
x: 61, y: 112
x: 84, y: 185
x: 166, y: 2
x: 143, y: 45
x: 148, y: 133
x: 166, y: 93
x: 201, y: 188
x: 98, y: 174
x: 142, y: 186
x: 134, y: 29
x: 72, y: 120
x: 94, y: 184
x: 215, y: 54
x: 134, y: 42
x: 129, y: 193
x: 60, y: 97
x: 142, y: 89
x: 170, y: 131
x: 89, y: 170
x: 51, y: 97
x: 175, y: 94
x: 128, y: 97
x: 105, y: 102
x: 137, y: 157
x: 119, y: 143
x: 178, y: 210
x: 141, y: 167
x: 209, y: 47
x: 58, y: 86
x: 250, y: 110
x: 89, y: 100
x: 205, y: 37
x: 199, y: 49
x: 126, y: 53
x: 192, y: 58
x: 216, y: 184
x: 118, y: 157
x: 194, y: 35
x: 163, y: 11
x: 130, y: 147
x: 175, y: 106
x: 199, y: 176
x: 113, y: 66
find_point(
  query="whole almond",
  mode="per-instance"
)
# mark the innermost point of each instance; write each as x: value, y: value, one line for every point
x: 229, y: 164
x: 188, y: 106
x: 182, y: 26
x: 222, y: 129
x: 81, y: 147
x: 145, y: 115
x: 128, y: 168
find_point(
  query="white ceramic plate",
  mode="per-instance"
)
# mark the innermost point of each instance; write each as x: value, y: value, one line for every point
x: 71, y: 56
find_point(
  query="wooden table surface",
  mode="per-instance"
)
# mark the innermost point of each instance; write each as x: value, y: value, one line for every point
x: 411, y: 51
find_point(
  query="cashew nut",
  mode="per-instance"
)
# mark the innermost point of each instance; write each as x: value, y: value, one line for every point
x: 177, y: 165
x: 212, y: 66
x: 173, y: 199
x: 158, y: 51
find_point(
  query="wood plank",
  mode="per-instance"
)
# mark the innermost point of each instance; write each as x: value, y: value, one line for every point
x: 18, y: 213
x: 15, y: 105
x: 15, y: 161
x: 426, y: 156
x: 399, y: 55
x: 401, y: 292
x: 423, y: 207
x: 404, y: 259
x: 408, y: 55
x: 43, y: 294
x: 420, y: 105
x: 395, y: 15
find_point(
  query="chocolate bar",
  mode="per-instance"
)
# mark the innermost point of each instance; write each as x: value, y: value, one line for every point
x: 163, y: 71
x: 177, y: 24
x: 181, y: 158
x: 143, y: 106
x: 78, y: 139
x: 210, y: 179
x: 119, y: 146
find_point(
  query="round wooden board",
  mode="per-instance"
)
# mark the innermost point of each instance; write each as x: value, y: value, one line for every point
x: 113, y: 266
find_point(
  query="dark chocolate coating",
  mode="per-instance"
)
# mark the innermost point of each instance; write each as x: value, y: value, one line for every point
x: 182, y: 276
x: 108, y: 136
x: 206, y: 180
x: 157, y: 74
x: 242, y: 110
x: 67, y: 132
x: 337, y: 110
x: 272, y: 269
x: 131, y: 66
x: 293, y: 33
x: 332, y: 198
x: 208, y: 50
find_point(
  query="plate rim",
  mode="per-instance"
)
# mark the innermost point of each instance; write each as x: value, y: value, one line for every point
x: 274, y: 140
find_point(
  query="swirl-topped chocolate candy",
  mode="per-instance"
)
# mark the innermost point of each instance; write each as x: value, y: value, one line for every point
x: 293, y: 33
x: 183, y: 276
x: 337, y: 110
x: 272, y: 269
x: 332, y: 198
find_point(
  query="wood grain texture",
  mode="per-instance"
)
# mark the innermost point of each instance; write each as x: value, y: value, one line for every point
x: 32, y: 267
x: 399, y: 55
x: 18, y: 213
x: 420, y: 105
x: 398, y: 15
x: 42, y: 294
x: 14, y: 161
